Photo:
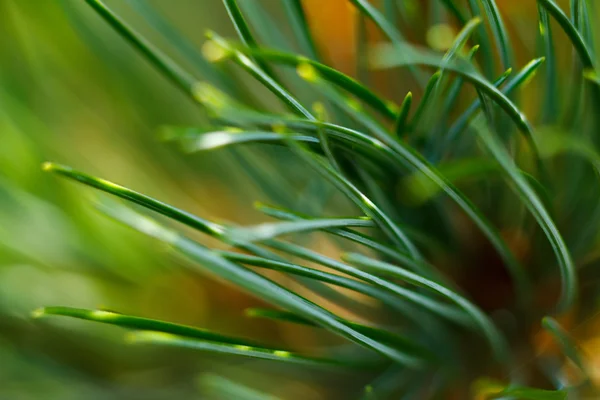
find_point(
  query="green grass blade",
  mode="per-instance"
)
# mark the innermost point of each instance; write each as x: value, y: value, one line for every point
x: 319, y: 281
x: 191, y: 136
x: 193, y: 221
x: 264, y: 175
x: 167, y: 339
x: 420, y: 189
x: 492, y: 389
x: 441, y: 309
x: 272, y: 33
x: 483, y: 40
x: 485, y: 325
x: 274, y: 188
x: 526, y: 393
x: 365, y: 175
x: 401, y: 121
x: 183, y: 46
x: 362, y: 74
x: 421, y: 267
x: 239, y: 23
x: 139, y: 323
x: 271, y: 230
x: 461, y: 39
x: 551, y: 105
x: 575, y: 8
x: 276, y: 315
x: 244, y: 32
x: 352, y: 86
x: 402, y: 300
x: 181, y: 78
x: 353, y: 109
x: 436, y: 14
x: 455, y: 90
x: 537, y: 208
x: 201, y: 141
x: 391, y: 12
x: 321, y: 114
x: 592, y: 76
x: 486, y: 108
x: 581, y: 48
x: 455, y: 11
x: 297, y: 17
x: 210, y: 228
x: 177, y: 75
x: 267, y: 29
x: 367, y: 9
x: 572, y: 113
x: 565, y: 341
x: 211, y: 340
x: 251, y: 282
x: 585, y: 25
x: 428, y: 94
x: 363, y: 202
x: 403, y: 154
x: 394, y: 232
x: 406, y: 156
x: 391, y: 382
x: 219, y: 387
x: 572, y: 33
x: 556, y: 143
x: 385, y: 336
x: 524, y: 76
x: 436, y: 91
x: 357, y: 237
x: 448, y: 103
x: 396, y: 302
x: 259, y: 74
x: 167, y: 210
x: 388, y: 57
x: 499, y: 31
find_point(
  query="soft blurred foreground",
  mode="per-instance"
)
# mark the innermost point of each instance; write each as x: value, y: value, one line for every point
x: 72, y: 91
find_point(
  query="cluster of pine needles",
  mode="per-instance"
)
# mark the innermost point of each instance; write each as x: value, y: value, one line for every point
x: 469, y: 267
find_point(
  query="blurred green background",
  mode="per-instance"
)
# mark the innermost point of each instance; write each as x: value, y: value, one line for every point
x: 72, y: 91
